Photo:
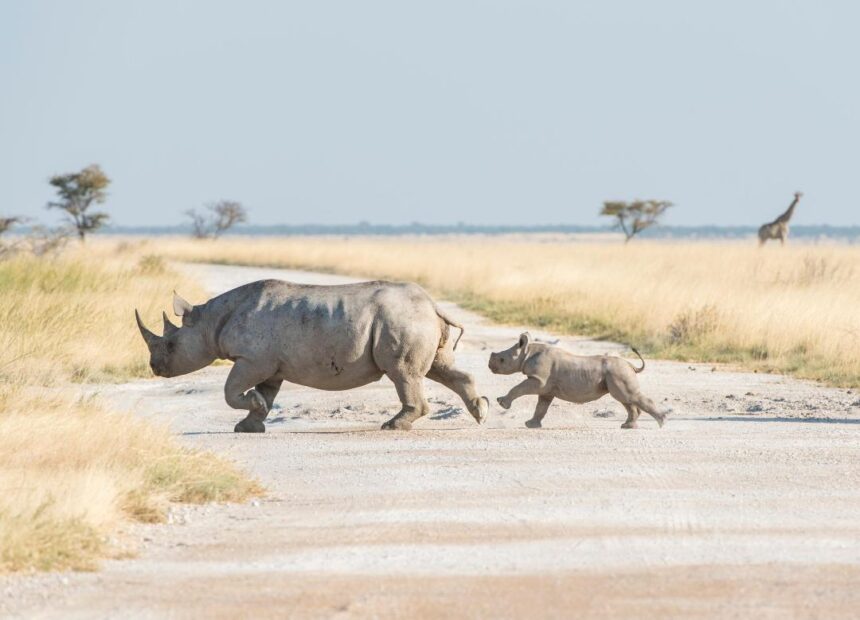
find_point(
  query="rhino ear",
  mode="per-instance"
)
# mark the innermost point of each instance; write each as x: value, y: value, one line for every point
x: 169, y: 327
x: 525, y: 337
x: 180, y: 306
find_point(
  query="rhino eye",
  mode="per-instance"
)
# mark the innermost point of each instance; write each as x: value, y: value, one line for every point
x: 171, y: 346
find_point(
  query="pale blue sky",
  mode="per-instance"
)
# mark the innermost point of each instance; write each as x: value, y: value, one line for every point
x: 438, y: 112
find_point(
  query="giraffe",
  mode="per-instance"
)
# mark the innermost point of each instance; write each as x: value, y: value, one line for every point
x: 778, y: 229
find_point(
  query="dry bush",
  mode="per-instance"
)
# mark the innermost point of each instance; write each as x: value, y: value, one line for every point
x: 692, y: 326
x: 784, y: 309
x: 152, y: 265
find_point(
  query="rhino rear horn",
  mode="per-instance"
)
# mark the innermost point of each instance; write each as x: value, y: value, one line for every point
x: 148, y: 337
x: 180, y: 306
x: 169, y: 327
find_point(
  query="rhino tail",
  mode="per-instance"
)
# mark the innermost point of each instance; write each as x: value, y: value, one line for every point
x: 638, y: 370
x: 452, y: 323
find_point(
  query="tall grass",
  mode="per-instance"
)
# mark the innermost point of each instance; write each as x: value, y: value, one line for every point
x: 72, y: 317
x: 791, y: 309
x: 71, y: 471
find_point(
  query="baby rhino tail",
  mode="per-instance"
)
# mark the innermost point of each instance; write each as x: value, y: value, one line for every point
x: 638, y: 370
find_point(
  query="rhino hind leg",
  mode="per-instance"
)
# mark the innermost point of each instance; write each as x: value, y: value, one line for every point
x: 413, y: 404
x: 648, y: 406
x: 626, y: 391
x: 462, y: 384
x: 632, y: 417
x: 241, y: 391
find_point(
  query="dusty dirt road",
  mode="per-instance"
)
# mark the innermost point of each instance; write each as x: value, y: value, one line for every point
x: 747, y: 504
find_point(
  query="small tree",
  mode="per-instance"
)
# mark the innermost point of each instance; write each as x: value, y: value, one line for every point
x: 78, y: 191
x: 220, y: 217
x: 199, y: 224
x: 39, y: 241
x: 8, y: 222
x: 634, y: 217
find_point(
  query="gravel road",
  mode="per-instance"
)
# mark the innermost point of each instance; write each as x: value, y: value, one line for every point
x: 746, y: 504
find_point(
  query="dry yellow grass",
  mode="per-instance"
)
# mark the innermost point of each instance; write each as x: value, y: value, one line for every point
x: 71, y: 471
x: 791, y: 309
x: 71, y: 317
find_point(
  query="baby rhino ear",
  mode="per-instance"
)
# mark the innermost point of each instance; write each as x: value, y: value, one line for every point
x: 524, y: 340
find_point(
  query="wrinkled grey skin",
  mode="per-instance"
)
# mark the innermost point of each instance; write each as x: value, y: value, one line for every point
x: 326, y: 337
x: 554, y: 373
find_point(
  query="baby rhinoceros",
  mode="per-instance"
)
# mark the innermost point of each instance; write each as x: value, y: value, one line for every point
x: 552, y: 372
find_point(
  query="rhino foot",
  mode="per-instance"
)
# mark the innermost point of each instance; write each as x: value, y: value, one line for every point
x: 506, y: 404
x: 481, y: 409
x: 533, y: 423
x: 397, y: 425
x: 630, y: 425
x: 249, y: 425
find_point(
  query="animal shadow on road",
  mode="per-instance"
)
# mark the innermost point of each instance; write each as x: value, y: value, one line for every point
x: 779, y: 419
x: 446, y: 413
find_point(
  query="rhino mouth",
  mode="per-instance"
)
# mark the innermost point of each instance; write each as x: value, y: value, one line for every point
x: 159, y: 371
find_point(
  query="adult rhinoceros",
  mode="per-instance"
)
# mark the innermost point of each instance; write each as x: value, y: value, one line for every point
x: 326, y: 337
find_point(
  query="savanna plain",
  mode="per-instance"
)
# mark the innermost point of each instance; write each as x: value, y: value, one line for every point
x: 790, y: 309
x: 743, y: 505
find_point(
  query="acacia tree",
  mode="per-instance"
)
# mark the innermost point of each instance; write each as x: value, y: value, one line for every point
x: 5, y: 224
x: 634, y: 217
x: 39, y: 241
x: 78, y: 191
x: 8, y: 222
x: 218, y: 218
x: 199, y: 224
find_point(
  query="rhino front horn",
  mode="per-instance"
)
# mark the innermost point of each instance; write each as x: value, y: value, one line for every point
x: 148, y: 337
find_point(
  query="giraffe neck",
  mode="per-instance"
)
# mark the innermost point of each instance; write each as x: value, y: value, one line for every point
x: 785, y: 217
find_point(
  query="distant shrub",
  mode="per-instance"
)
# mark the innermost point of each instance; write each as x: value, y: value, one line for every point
x: 152, y: 265
x: 218, y: 218
x: 692, y: 325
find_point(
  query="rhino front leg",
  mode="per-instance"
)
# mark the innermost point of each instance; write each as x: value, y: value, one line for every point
x: 413, y: 404
x: 540, y: 411
x: 240, y: 392
x: 532, y: 385
x: 269, y: 389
